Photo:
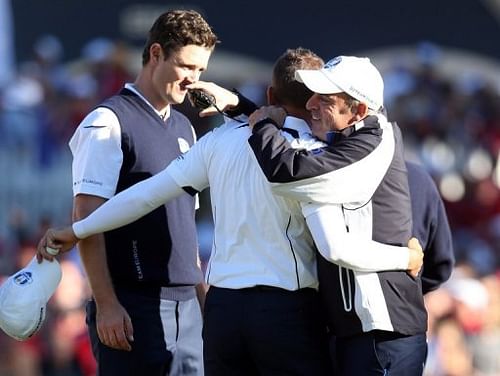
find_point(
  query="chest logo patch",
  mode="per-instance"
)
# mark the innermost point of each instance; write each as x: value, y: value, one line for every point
x: 183, y: 145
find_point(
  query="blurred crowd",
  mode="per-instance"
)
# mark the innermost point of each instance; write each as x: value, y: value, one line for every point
x: 452, y: 127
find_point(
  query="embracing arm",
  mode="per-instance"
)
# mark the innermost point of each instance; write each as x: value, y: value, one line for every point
x: 283, y: 164
x: 337, y: 245
x: 350, y: 170
x: 189, y: 171
x: 122, y: 209
x: 129, y: 205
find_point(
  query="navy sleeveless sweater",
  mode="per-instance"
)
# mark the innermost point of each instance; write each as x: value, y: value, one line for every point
x: 159, y: 249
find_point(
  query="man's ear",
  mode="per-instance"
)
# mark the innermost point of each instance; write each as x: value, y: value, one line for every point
x: 155, y: 52
x: 359, y: 112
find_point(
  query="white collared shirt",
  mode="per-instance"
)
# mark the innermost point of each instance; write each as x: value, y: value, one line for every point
x: 97, y: 153
x: 260, y: 238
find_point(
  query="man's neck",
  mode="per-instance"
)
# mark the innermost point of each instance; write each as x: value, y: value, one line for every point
x: 163, y: 112
x: 144, y: 85
x: 298, y: 113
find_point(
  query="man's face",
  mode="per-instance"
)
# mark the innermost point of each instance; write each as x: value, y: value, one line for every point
x: 182, y: 68
x: 329, y: 112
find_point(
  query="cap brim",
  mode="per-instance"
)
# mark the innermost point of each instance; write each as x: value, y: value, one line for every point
x: 20, y: 327
x: 317, y: 81
x: 22, y: 305
x: 47, y: 274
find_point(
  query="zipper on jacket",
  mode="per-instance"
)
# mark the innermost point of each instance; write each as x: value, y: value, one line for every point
x: 346, y: 300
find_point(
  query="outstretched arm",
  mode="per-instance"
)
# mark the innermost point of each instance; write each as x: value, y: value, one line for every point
x: 349, y: 170
x: 122, y: 209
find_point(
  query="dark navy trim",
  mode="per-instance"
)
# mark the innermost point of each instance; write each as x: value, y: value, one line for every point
x: 245, y: 106
x: 190, y: 191
x: 214, y: 247
x: 293, y: 252
x: 293, y: 132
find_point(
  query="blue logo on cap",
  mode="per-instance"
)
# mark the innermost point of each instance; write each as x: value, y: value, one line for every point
x: 23, y: 278
x: 335, y: 61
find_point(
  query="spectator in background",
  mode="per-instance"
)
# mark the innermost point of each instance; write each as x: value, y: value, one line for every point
x: 485, y: 345
x: 464, y: 326
x: 21, y: 103
x: 46, y: 65
x: 107, y: 62
x: 451, y: 354
x: 66, y: 347
x: 144, y: 317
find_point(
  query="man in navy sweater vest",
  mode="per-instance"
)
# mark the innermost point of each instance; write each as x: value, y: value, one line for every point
x: 144, y: 317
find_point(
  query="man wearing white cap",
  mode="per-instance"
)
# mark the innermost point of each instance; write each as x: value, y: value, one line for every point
x: 24, y: 296
x: 377, y: 319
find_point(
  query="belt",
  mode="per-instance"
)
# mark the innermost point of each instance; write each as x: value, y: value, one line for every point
x: 266, y: 288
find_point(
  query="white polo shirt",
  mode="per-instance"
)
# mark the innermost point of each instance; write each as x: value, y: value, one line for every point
x: 97, y: 153
x: 260, y: 238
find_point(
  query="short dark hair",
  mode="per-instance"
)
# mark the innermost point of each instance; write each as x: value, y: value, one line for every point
x: 287, y: 90
x: 178, y: 28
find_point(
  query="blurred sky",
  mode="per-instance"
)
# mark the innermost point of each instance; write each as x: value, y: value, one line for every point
x: 263, y: 29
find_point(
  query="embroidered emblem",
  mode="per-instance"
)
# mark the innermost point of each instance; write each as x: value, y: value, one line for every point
x: 183, y: 145
x: 335, y: 61
x: 23, y: 278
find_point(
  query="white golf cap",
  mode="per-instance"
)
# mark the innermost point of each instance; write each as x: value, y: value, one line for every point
x: 24, y: 296
x: 356, y: 76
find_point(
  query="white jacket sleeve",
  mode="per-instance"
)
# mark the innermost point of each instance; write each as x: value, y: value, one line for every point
x: 129, y: 205
x: 335, y: 244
